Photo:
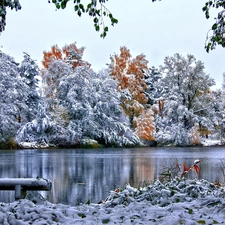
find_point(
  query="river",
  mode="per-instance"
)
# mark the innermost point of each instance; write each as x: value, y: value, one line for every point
x: 79, y: 175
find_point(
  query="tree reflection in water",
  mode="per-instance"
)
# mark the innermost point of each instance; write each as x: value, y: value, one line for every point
x: 79, y: 175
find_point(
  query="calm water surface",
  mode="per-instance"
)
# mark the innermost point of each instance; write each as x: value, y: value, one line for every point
x: 79, y: 175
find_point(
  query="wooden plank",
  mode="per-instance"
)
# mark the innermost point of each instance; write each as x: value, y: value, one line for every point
x: 26, y: 184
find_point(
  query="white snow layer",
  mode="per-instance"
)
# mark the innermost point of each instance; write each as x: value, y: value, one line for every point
x: 175, y: 202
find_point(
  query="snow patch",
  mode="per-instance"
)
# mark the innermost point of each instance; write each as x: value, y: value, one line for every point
x: 208, y: 142
x: 29, y: 145
x: 175, y: 202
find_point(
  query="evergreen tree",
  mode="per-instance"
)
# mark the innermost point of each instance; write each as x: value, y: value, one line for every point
x: 154, y: 90
x: 29, y: 72
x: 13, y: 91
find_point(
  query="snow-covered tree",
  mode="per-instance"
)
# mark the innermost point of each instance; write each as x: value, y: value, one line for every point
x: 13, y: 92
x: 93, y: 104
x: 218, y: 113
x: 144, y: 126
x: 129, y: 74
x: 78, y: 104
x: 154, y: 89
x: 70, y: 54
x: 51, y: 78
x: 35, y: 131
x: 42, y: 130
x: 29, y: 72
x: 58, y: 63
x: 186, y: 98
x: 223, y: 82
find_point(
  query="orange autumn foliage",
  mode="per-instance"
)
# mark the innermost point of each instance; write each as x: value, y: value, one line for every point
x: 195, y: 137
x: 130, y: 75
x: 69, y: 54
x: 55, y: 64
x: 54, y: 54
x: 145, y: 125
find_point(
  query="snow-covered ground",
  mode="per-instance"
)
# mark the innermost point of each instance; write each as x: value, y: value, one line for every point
x: 175, y: 202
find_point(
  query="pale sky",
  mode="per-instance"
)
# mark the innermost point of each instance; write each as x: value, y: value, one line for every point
x: 157, y: 30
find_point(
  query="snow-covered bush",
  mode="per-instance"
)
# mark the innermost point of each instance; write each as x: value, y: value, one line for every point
x: 35, y: 131
x: 42, y: 130
x: 164, y: 194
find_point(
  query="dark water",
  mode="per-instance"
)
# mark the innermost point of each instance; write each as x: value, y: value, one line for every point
x: 80, y: 175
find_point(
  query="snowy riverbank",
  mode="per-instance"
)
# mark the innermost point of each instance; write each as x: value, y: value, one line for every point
x: 94, y: 144
x: 175, y: 202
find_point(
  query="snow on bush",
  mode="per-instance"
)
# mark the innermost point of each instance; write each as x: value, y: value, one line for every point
x: 175, y: 202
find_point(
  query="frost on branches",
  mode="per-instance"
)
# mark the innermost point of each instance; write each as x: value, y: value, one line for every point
x: 124, y: 105
x: 186, y: 101
x: 40, y: 132
x: 80, y: 104
x: 14, y: 102
x: 93, y: 110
